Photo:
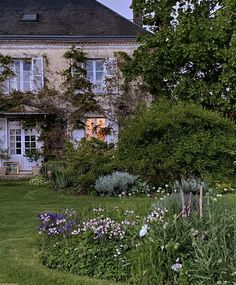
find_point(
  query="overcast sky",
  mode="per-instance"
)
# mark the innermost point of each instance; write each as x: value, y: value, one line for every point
x: 120, y: 6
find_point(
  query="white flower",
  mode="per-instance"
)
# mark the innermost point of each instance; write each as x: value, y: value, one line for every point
x: 143, y: 230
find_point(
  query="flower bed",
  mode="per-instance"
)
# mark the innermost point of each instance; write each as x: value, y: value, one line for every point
x: 160, y: 248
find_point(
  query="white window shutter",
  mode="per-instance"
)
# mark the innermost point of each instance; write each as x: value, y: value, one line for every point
x: 111, y: 75
x: 12, y: 82
x: 37, y: 77
x: 2, y: 83
x: 110, y: 67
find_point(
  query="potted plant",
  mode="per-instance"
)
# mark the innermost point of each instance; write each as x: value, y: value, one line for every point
x: 34, y: 156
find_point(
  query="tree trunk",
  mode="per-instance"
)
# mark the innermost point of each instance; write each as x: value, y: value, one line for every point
x: 189, y: 203
x: 181, y: 192
x: 200, y: 202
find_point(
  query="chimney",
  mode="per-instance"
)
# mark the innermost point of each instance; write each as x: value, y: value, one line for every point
x: 138, y: 19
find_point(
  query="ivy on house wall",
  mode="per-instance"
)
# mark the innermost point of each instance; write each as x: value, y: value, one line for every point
x: 60, y: 110
x: 65, y: 110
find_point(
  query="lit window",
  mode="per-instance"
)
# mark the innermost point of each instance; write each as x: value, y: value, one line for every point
x: 94, y: 128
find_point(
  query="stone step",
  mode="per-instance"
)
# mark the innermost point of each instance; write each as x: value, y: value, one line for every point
x: 21, y: 175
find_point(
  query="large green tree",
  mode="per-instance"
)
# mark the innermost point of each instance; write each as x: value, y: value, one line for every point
x: 190, y: 53
x: 170, y: 141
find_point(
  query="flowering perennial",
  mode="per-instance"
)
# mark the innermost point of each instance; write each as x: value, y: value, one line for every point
x: 55, y: 224
x: 66, y: 224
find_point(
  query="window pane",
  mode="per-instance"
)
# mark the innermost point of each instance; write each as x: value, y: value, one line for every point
x: 89, y: 65
x: 18, y: 145
x: 100, y: 65
x: 27, y: 144
x: 18, y: 151
x: 26, y: 65
x: 26, y: 86
x: 33, y: 145
x: 90, y: 77
x: 99, y: 76
x: 26, y: 76
x: 17, y: 66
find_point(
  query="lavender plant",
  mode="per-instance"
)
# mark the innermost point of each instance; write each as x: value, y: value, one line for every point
x: 116, y: 183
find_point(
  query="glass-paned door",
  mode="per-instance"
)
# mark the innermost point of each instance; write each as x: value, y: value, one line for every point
x: 15, y: 141
x: 21, y: 142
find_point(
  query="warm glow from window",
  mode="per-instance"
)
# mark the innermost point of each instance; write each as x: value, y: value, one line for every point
x: 94, y: 128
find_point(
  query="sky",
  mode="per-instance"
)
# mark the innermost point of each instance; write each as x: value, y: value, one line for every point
x: 120, y: 6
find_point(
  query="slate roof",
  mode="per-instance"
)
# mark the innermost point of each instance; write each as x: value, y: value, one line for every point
x: 64, y: 18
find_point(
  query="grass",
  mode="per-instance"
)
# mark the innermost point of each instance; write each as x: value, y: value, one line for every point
x: 20, y: 204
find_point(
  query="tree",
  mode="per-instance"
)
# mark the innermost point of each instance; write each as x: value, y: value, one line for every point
x: 190, y: 54
x: 169, y: 142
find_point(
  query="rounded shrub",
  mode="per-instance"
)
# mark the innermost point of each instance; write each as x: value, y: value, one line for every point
x: 116, y: 183
x: 169, y: 141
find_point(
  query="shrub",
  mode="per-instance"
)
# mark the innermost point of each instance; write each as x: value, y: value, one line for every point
x: 60, y: 176
x: 90, y: 160
x: 38, y: 180
x: 141, y: 187
x: 168, y: 141
x: 115, y: 184
x: 224, y: 187
x: 53, y: 166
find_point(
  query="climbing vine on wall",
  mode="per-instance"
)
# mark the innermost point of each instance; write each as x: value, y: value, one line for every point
x: 61, y: 110
x: 64, y: 109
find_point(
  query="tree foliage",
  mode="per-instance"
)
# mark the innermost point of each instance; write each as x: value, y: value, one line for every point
x: 172, y: 141
x: 190, y: 54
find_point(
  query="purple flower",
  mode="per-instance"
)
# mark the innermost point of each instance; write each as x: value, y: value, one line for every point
x: 177, y: 266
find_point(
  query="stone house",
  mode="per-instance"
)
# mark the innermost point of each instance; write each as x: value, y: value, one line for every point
x: 35, y: 31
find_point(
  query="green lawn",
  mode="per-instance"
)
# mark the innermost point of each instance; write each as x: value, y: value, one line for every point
x: 19, y: 241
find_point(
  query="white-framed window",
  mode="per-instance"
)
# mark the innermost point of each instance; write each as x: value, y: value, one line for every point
x: 28, y: 75
x: 30, y: 142
x: 96, y: 74
x: 15, y: 141
x: 22, y: 141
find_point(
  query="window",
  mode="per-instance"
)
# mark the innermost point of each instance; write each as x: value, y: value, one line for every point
x: 94, y: 128
x: 30, y: 142
x: 96, y: 74
x: 30, y: 17
x: 28, y: 75
x: 15, y: 141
